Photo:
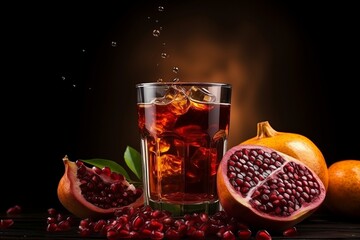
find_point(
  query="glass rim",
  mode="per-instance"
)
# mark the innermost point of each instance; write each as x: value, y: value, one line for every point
x: 164, y: 84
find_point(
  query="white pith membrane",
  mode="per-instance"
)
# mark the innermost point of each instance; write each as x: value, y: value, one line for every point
x: 290, y: 187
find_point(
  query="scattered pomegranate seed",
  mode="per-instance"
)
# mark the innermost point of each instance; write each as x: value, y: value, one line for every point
x: 263, y: 235
x: 58, y: 222
x: 52, y: 211
x: 146, y: 223
x: 16, y: 209
x: 51, y: 220
x: 228, y: 235
x: 244, y: 234
x: 6, y: 223
x: 290, y: 232
x: 51, y: 227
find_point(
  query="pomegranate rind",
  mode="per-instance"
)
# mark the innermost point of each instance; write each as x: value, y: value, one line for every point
x: 239, y: 207
x: 69, y: 195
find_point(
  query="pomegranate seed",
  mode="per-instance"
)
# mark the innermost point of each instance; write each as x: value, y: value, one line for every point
x: 190, y: 230
x: 157, y: 235
x: 168, y: 221
x: 146, y: 232
x: 179, y: 222
x: 137, y: 222
x: 106, y: 171
x: 182, y: 229
x: 263, y: 235
x: 204, y: 217
x: 84, y: 223
x: 134, y: 235
x: 156, y: 214
x: 84, y: 232
x: 290, y: 232
x: 228, y: 235
x: 198, y: 234
x: 123, y: 233
x: 123, y: 219
x: 59, y: 217
x: 51, y: 227
x: 52, y: 211
x: 51, y: 220
x: 244, y: 234
x: 14, y: 210
x: 96, y: 170
x: 99, y: 225
x: 64, y: 225
x: 204, y: 227
x: 114, y: 176
x: 112, y: 234
x: 70, y: 219
x: 221, y: 232
x: 6, y: 223
x: 78, y: 163
x: 172, y: 234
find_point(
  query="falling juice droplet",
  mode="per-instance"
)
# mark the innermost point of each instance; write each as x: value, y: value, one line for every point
x: 161, y: 8
x: 74, y: 85
x: 164, y: 55
x: 149, y: 17
x: 176, y: 80
x: 83, y: 50
x: 160, y: 28
x: 63, y: 78
x: 163, y: 44
x: 156, y: 21
x: 156, y: 33
x: 114, y: 44
x: 175, y: 69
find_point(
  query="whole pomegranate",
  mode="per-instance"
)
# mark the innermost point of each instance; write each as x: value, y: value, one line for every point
x: 343, y: 195
x: 267, y: 189
x: 293, y: 144
x: 94, y: 192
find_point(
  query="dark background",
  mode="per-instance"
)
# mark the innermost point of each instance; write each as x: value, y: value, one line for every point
x: 67, y: 90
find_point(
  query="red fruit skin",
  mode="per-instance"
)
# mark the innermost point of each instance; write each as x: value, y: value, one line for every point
x: 69, y: 194
x: 238, y: 207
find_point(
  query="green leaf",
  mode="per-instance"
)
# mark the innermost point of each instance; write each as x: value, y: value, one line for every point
x: 133, y: 160
x: 114, y: 166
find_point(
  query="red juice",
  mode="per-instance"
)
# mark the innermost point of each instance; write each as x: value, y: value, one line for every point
x: 183, y: 141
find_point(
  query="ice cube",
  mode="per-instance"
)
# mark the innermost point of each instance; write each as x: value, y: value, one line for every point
x: 180, y: 103
x: 204, y: 159
x: 201, y: 94
x: 164, y: 145
x: 158, y: 121
x: 194, y: 136
x: 162, y: 100
x: 176, y: 98
x: 170, y: 165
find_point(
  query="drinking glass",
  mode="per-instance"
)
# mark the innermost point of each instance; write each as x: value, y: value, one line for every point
x: 184, y: 127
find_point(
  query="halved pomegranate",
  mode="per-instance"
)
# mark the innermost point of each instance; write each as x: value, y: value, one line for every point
x: 94, y: 192
x: 267, y: 189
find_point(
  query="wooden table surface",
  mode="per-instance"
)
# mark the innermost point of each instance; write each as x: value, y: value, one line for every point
x: 318, y: 226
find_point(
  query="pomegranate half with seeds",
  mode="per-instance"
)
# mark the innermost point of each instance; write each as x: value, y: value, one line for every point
x: 93, y: 192
x: 265, y: 188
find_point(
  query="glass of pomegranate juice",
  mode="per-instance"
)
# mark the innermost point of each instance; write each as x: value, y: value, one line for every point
x: 184, y: 129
